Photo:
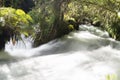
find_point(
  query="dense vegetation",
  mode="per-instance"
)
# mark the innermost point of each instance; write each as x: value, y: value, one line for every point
x: 13, y: 23
x: 50, y: 23
x: 59, y: 17
x: 55, y: 18
x: 103, y: 13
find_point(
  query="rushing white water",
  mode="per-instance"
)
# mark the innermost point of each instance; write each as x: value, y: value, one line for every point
x: 88, y: 54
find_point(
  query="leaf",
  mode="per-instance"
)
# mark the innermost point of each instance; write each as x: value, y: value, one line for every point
x: 25, y: 33
x: 118, y: 15
x: 20, y: 12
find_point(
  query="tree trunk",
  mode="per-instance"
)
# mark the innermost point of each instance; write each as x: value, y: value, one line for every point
x: 59, y: 15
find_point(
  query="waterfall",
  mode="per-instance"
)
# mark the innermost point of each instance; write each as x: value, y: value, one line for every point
x: 87, y: 54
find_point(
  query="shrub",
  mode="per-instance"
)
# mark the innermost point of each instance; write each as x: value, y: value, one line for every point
x: 13, y: 23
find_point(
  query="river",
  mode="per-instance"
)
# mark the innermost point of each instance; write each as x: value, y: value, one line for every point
x: 88, y: 54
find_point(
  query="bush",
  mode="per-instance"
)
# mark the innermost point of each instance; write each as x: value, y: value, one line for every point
x: 13, y: 23
x: 15, y: 19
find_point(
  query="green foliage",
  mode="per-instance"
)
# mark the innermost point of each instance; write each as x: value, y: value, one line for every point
x: 48, y: 17
x: 71, y: 27
x: 51, y: 16
x: 14, y: 17
x: 114, y: 29
x: 111, y: 77
x: 104, y: 11
x: 43, y: 19
x: 16, y: 21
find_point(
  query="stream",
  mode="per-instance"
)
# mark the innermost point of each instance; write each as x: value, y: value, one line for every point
x: 88, y: 54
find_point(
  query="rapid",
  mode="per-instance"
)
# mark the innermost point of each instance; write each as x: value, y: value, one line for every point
x: 88, y: 54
